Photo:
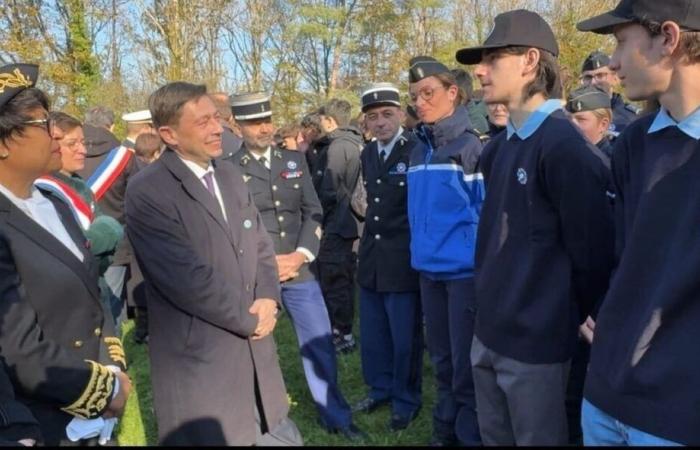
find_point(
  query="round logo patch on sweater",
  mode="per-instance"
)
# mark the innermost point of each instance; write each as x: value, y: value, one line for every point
x: 522, y: 176
x: 401, y: 167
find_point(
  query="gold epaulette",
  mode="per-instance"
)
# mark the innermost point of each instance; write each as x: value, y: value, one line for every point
x: 97, y: 393
x: 116, y: 350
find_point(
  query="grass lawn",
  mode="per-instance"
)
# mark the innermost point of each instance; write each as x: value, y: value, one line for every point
x: 138, y: 425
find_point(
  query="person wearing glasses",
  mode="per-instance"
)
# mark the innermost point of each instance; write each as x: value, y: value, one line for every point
x: 57, y: 339
x: 595, y: 72
x: 102, y: 231
x: 445, y: 193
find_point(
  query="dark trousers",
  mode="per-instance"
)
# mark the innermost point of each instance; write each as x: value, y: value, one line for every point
x: 304, y: 303
x: 392, y: 354
x: 574, y: 391
x: 336, y: 271
x: 519, y: 404
x: 449, y: 312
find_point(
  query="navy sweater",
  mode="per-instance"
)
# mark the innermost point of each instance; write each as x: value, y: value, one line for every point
x: 645, y: 363
x: 545, y: 241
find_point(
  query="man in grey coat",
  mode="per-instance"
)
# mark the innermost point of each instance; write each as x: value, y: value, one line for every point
x: 213, y: 290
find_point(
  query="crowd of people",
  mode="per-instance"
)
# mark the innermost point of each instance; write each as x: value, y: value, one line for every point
x: 540, y: 246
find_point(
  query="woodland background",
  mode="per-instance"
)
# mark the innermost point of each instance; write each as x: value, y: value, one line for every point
x: 116, y: 52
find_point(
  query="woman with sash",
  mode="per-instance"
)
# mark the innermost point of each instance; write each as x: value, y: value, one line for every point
x: 102, y: 231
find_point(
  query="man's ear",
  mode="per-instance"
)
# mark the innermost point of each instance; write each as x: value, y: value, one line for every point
x: 531, y: 59
x: 671, y: 33
x: 168, y: 135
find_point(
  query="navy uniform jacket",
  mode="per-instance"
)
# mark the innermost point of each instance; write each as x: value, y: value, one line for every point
x: 287, y: 201
x: 623, y: 114
x: 56, y: 338
x: 203, y: 272
x: 384, y: 254
x: 337, y: 169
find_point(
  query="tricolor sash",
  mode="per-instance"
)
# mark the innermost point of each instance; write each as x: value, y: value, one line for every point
x: 106, y: 173
x: 78, y: 206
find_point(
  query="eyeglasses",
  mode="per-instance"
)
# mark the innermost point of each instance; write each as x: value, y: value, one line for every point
x: 427, y: 93
x: 74, y: 144
x: 42, y: 123
x: 602, y: 76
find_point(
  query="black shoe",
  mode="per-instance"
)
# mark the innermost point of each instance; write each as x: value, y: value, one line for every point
x: 443, y: 441
x: 368, y: 405
x: 400, y: 422
x: 351, y: 432
x: 344, y: 343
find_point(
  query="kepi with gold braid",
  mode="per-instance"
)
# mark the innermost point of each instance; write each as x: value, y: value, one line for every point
x: 97, y: 394
x: 14, y: 78
x: 116, y: 350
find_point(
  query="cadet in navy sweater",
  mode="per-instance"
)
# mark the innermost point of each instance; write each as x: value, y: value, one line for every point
x: 544, y: 249
x: 445, y: 193
x: 642, y: 386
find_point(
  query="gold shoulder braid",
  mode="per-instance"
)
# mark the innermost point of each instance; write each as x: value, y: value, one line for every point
x: 96, y: 395
x: 14, y: 80
x: 116, y: 350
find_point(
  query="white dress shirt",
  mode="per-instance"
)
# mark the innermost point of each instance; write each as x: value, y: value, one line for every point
x: 390, y: 146
x: 199, y: 172
x: 41, y: 210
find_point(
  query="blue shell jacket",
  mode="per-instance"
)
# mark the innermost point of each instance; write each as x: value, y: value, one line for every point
x: 445, y: 194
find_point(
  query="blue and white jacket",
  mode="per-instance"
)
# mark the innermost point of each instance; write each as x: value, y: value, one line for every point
x: 445, y: 194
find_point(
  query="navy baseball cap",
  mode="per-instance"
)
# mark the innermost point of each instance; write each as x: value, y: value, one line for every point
x: 686, y: 13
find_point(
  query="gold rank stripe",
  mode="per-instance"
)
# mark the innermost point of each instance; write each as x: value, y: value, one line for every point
x: 96, y: 395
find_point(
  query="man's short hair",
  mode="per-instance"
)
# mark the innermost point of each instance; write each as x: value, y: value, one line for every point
x: 166, y: 103
x: 100, y: 117
x: 15, y: 113
x: 222, y: 101
x: 312, y: 120
x: 339, y: 110
x: 464, y: 82
x: 147, y: 145
x: 64, y: 122
x: 689, y: 45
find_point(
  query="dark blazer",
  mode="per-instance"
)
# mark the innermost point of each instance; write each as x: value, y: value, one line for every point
x: 52, y: 322
x: 287, y: 201
x: 385, y: 254
x: 202, y: 275
x: 16, y: 420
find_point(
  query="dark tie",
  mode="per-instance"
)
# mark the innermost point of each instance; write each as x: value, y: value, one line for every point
x: 382, y: 155
x: 263, y: 161
x: 209, y: 181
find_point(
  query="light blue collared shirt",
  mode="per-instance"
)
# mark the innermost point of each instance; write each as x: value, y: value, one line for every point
x: 690, y: 125
x: 534, y: 121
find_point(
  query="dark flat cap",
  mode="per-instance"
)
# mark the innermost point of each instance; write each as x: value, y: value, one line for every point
x: 595, y: 61
x: 424, y: 67
x: 587, y: 98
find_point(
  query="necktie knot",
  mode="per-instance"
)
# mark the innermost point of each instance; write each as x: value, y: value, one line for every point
x: 263, y: 161
x: 382, y: 155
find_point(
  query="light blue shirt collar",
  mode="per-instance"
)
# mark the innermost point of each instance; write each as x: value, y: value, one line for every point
x: 534, y: 121
x: 690, y: 125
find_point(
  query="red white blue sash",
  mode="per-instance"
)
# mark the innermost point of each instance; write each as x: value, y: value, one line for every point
x: 106, y: 173
x: 78, y: 206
